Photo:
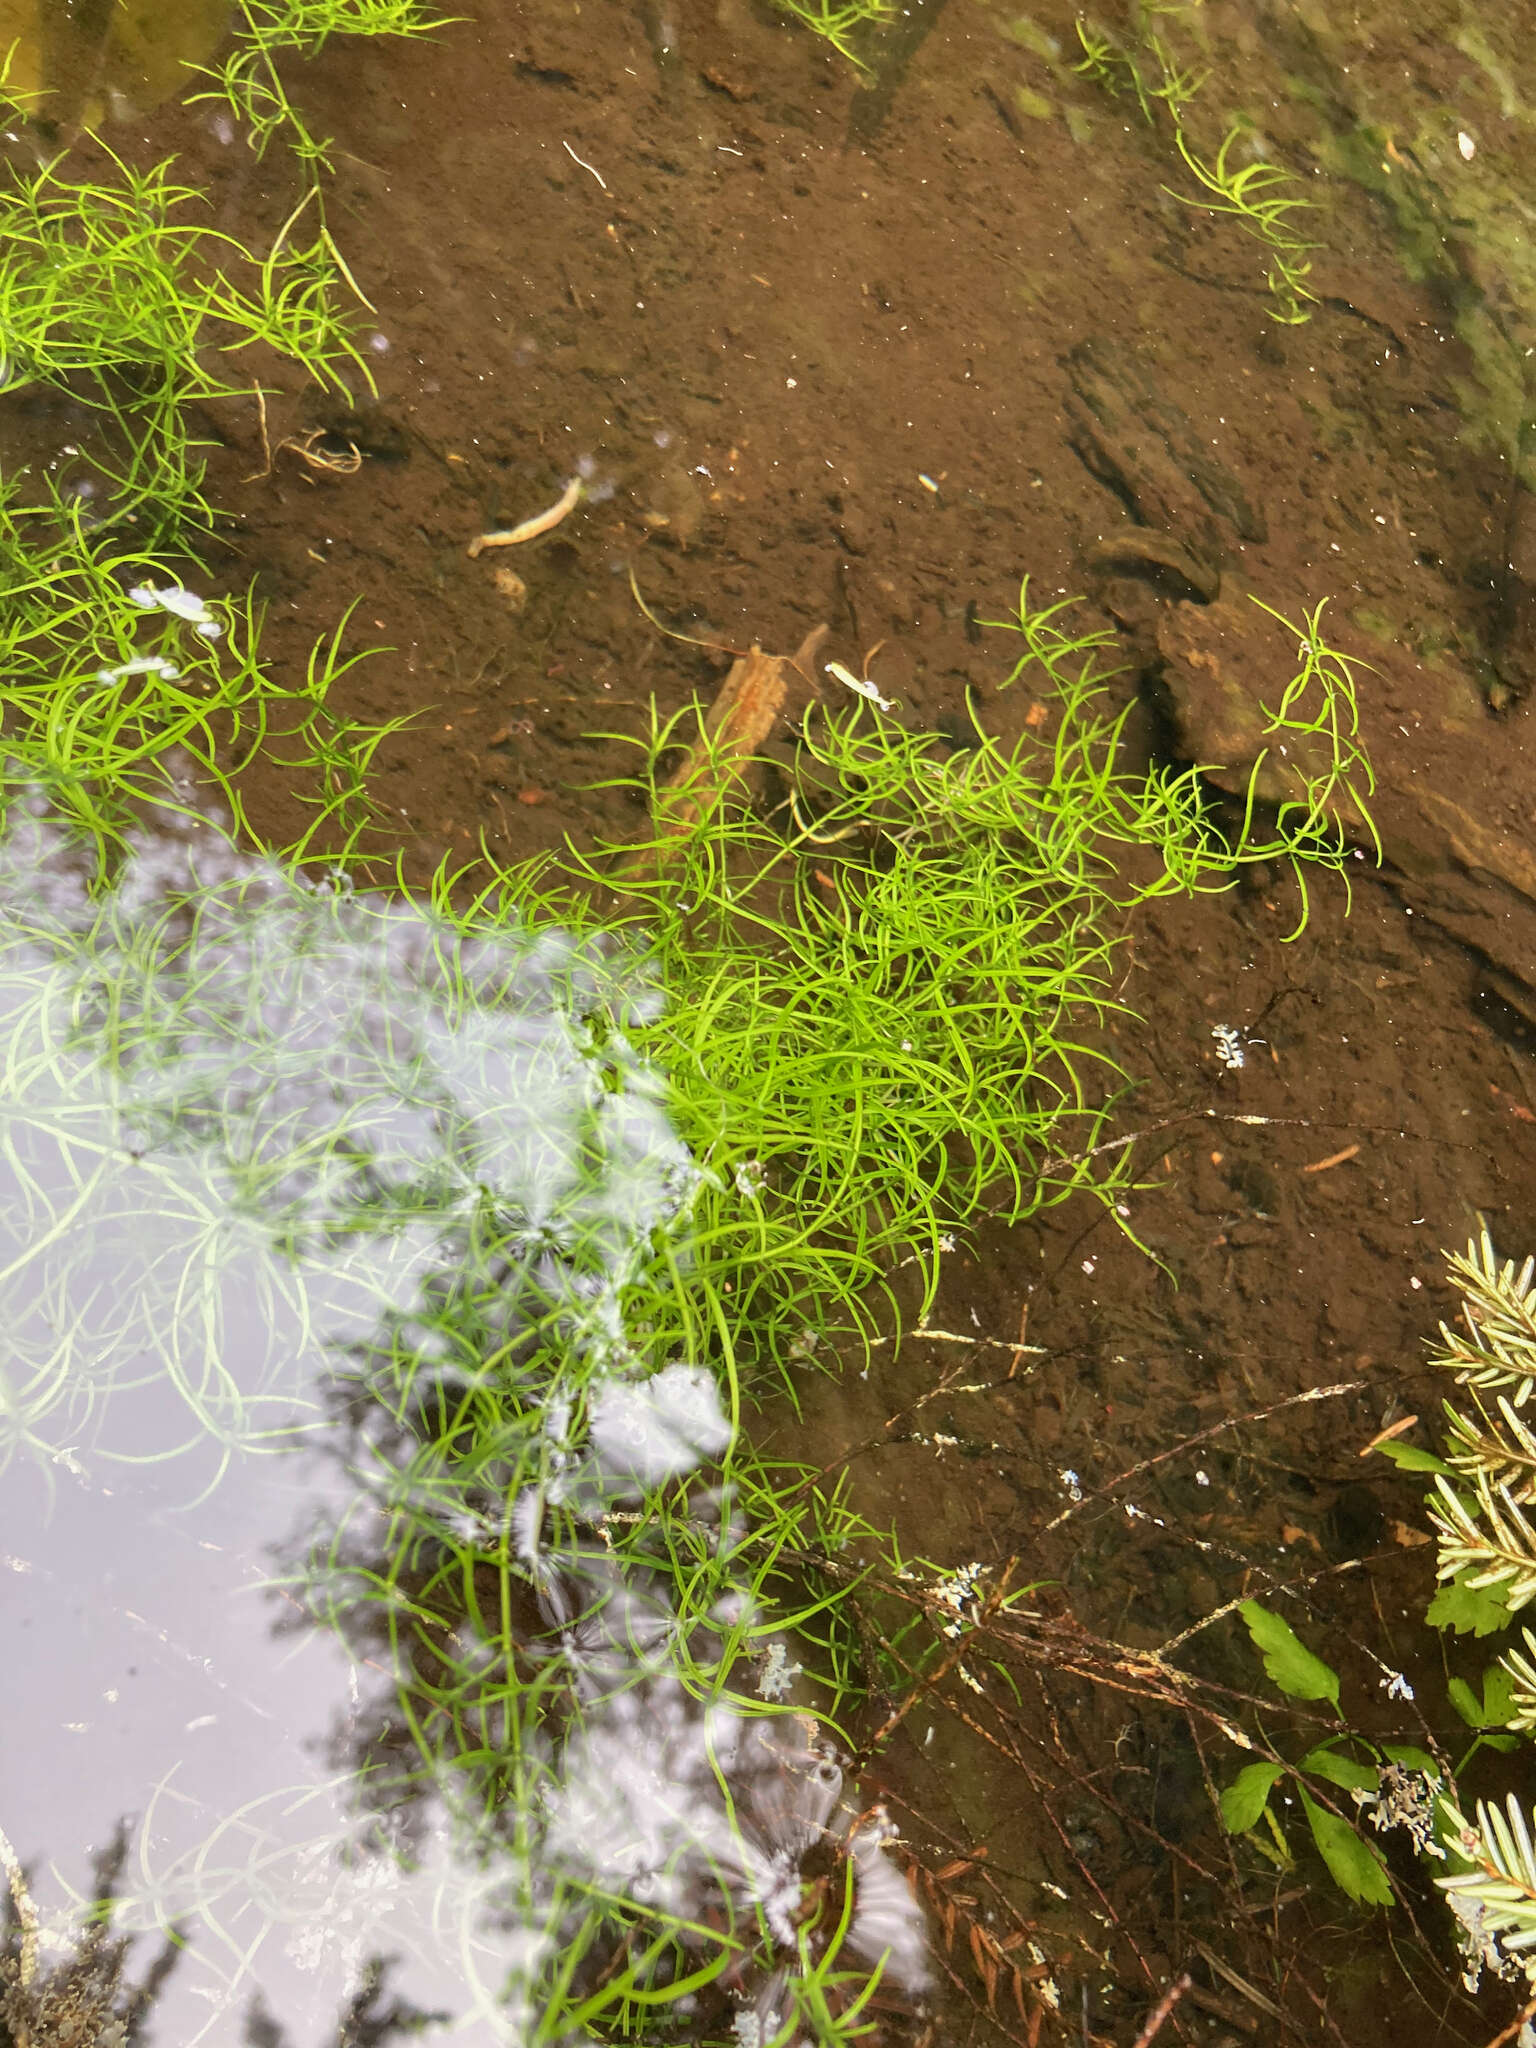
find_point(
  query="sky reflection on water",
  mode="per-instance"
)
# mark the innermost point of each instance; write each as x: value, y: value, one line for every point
x: 321, y: 1221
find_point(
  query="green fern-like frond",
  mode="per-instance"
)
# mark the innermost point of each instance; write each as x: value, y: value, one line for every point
x: 1496, y: 1899
x: 1488, y: 1538
x: 1499, y: 1305
x: 1501, y: 1446
x: 1522, y: 1674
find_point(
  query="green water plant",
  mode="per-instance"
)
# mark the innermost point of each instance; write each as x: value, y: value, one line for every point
x: 250, y: 80
x: 1261, y: 197
x: 114, y: 291
x: 1313, y: 734
x: 511, y: 1204
x: 845, y: 24
x: 117, y: 294
x: 879, y: 993
x: 1108, y: 62
x: 311, y: 1170
x: 110, y: 703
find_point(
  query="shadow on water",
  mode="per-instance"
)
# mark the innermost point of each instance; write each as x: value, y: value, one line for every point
x: 377, y: 1577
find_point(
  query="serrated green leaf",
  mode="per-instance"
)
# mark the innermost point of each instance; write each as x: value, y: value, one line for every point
x: 1347, y: 1772
x: 1359, y: 1870
x: 1495, y: 1707
x: 1410, y: 1758
x: 1412, y: 1459
x: 1287, y: 1660
x: 1246, y: 1797
x: 1469, y: 1610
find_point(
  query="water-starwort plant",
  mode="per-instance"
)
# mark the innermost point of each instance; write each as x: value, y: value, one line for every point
x: 109, y: 704
x: 845, y: 24
x: 505, y: 1207
x: 351, y: 1180
x: 1264, y: 201
x: 879, y: 994
x: 1262, y: 197
x: 113, y: 290
x: 250, y: 82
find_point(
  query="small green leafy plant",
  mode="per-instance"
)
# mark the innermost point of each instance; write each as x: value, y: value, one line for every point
x: 1261, y: 196
x: 1343, y: 1762
x: 109, y: 705
x: 1262, y: 199
x: 250, y: 80
x: 1315, y: 730
x: 878, y: 996
x: 845, y: 24
x: 112, y: 290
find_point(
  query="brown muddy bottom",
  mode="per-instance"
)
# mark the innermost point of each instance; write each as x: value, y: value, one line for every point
x: 865, y: 352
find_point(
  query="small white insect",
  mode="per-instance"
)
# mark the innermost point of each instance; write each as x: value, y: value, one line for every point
x: 1229, y: 1047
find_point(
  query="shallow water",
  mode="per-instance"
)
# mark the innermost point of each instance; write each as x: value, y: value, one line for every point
x: 860, y: 350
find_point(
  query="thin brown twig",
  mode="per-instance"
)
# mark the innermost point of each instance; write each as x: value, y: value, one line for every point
x: 1161, y: 2010
x: 1526, y: 2012
x: 952, y: 1656
x: 1204, y: 1436
x: 266, y: 444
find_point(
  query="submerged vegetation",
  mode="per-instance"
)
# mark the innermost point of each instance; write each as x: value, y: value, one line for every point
x: 878, y: 992
x: 512, y: 1205
x: 249, y: 79
x: 114, y: 293
x: 845, y: 24
x: 117, y: 297
x: 1261, y: 197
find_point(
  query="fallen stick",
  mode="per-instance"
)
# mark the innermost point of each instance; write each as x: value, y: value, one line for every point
x: 735, y: 726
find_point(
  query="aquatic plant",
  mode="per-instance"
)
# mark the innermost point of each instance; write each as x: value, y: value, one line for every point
x: 110, y: 702
x: 1107, y: 61
x: 113, y: 292
x: 876, y: 997
x: 419, y: 1200
x: 345, y: 1178
x: 1261, y: 197
x: 110, y: 291
x: 842, y: 23
x: 249, y: 80
x: 1315, y: 730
